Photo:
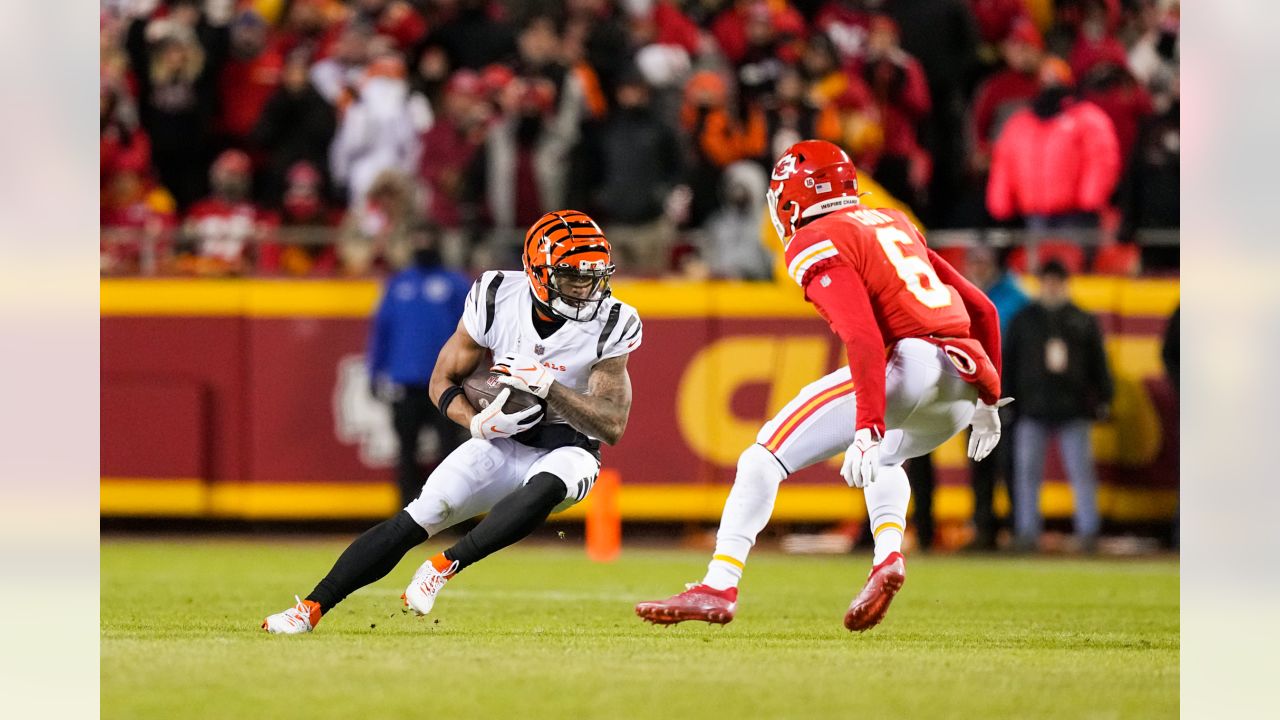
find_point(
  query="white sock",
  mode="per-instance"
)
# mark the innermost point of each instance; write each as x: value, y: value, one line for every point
x: 746, y: 512
x: 887, y: 500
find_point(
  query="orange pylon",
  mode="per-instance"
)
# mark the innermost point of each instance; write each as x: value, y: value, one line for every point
x: 604, y: 518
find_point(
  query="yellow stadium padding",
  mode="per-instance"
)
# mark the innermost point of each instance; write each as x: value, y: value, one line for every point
x: 189, y: 498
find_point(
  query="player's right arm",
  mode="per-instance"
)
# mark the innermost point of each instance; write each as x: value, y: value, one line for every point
x: 459, y: 357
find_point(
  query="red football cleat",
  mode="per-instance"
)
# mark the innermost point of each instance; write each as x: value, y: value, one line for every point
x: 698, y: 602
x: 872, y: 604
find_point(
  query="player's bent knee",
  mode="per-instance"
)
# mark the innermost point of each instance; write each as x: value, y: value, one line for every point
x: 758, y: 465
x: 549, y: 486
x: 430, y: 510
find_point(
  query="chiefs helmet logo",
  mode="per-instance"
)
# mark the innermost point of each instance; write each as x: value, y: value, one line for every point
x: 785, y: 168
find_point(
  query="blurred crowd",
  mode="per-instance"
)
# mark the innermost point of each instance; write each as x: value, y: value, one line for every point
x: 316, y: 137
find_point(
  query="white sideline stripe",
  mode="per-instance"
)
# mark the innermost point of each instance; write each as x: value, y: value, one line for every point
x: 513, y: 594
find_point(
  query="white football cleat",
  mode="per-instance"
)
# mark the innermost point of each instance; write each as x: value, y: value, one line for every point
x: 426, y: 584
x: 301, y: 618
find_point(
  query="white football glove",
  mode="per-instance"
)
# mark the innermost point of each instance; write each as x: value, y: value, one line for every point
x: 986, y: 428
x: 524, y: 373
x: 861, y: 460
x: 491, y: 423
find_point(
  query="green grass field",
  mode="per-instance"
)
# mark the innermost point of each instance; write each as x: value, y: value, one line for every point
x: 542, y: 633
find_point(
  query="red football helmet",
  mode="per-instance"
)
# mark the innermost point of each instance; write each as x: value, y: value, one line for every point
x: 812, y: 178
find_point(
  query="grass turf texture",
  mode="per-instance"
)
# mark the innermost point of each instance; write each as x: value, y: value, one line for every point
x: 542, y: 633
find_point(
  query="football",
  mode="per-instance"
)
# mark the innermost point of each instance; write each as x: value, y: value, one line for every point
x: 482, y: 387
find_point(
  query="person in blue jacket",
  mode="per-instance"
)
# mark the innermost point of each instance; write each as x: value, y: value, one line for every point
x: 420, y: 308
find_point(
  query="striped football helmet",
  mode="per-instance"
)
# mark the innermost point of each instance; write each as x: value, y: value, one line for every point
x: 568, y: 263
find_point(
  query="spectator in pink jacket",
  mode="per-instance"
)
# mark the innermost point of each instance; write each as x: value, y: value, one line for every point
x: 1056, y: 162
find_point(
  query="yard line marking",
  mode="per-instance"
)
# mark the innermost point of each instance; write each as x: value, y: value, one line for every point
x: 514, y: 594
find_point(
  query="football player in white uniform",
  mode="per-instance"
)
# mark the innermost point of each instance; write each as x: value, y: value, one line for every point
x: 554, y: 331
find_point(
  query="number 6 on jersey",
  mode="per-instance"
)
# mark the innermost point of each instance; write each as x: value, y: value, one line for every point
x: 911, y: 268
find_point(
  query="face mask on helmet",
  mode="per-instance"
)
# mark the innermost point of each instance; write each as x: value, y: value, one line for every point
x: 784, y: 223
x: 577, y: 293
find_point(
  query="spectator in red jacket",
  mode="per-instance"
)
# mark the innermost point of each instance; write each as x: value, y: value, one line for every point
x: 1009, y: 90
x: 1056, y: 162
x: 249, y: 78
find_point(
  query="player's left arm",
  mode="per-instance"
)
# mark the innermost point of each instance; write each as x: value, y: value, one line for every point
x: 603, y: 410
x: 838, y: 292
x: 984, y: 322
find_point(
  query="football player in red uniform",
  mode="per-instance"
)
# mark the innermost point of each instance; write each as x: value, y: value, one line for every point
x: 924, y: 353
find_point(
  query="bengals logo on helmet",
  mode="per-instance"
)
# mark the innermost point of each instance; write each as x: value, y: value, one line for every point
x: 568, y: 262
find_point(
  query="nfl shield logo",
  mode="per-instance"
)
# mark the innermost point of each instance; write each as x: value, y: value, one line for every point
x: 538, y: 349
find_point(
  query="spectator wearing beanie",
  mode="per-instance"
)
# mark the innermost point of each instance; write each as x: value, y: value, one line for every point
x: 1055, y: 163
x: 304, y: 220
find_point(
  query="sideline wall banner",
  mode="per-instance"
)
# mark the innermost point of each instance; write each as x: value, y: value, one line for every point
x: 224, y: 397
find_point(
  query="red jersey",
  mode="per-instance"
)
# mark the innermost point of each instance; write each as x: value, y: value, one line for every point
x: 226, y: 231
x: 872, y: 277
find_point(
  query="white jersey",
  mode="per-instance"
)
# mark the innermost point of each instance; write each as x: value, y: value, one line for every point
x: 499, y: 316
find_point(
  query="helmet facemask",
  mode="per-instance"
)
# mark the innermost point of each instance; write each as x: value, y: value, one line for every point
x: 576, y: 293
x: 784, y: 229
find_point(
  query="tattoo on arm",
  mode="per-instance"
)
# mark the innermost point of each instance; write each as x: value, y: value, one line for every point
x: 601, y: 412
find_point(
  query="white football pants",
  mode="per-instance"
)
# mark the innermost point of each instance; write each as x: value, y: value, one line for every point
x: 926, y: 403
x: 473, y: 478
